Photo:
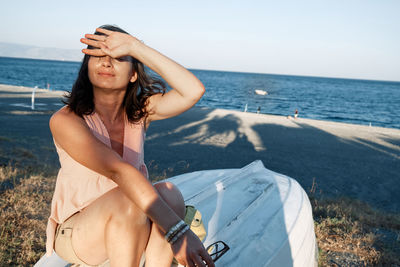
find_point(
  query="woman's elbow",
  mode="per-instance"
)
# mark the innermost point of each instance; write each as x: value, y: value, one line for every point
x: 113, y: 175
x: 198, y: 92
x: 114, y: 171
x: 202, y: 90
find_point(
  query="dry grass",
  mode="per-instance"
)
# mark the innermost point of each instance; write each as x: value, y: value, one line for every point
x: 349, y: 232
x: 5, y: 139
x: 24, y: 211
x: 157, y: 174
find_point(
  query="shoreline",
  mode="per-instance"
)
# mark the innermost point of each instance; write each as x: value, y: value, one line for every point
x: 9, y: 91
x: 42, y: 92
x: 342, y: 159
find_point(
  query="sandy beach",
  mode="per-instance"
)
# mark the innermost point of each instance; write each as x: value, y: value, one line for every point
x: 362, y: 162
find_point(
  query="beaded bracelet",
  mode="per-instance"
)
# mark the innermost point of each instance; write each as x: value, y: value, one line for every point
x: 174, y: 229
x: 179, y: 234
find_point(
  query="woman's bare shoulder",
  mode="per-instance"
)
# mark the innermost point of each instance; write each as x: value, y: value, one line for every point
x: 64, y: 111
x: 64, y: 119
x: 73, y: 135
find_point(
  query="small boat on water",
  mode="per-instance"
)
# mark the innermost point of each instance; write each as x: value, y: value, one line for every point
x: 264, y: 217
x: 260, y: 92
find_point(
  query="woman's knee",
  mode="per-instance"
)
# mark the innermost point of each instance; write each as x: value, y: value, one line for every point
x: 172, y: 196
x: 125, y: 209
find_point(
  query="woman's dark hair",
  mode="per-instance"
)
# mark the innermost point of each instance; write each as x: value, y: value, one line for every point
x: 80, y: 99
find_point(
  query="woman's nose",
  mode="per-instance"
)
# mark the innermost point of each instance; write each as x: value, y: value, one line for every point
x: 106, y: 61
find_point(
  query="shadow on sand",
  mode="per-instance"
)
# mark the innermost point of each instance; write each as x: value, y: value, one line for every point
x: 202, y: 139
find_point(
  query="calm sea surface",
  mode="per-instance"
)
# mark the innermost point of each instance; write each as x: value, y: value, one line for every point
x: 343, y: 100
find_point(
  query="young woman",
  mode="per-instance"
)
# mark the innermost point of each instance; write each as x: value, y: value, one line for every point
x: 104, y: 207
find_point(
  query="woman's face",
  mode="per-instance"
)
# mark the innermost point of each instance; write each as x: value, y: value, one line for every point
x: 110, y: 73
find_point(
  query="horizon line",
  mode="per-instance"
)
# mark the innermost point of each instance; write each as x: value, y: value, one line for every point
x: 233, y: 71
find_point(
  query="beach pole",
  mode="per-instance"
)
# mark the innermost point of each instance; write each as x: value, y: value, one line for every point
x: 245, y: 108
x: 33, y: 98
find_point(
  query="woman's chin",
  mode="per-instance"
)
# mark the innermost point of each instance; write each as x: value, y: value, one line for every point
x: 109, y: 86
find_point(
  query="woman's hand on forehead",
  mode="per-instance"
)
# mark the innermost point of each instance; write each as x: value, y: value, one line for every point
x: 113, y: 44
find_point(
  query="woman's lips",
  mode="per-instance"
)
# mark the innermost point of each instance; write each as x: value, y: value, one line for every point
x: 106, y: 74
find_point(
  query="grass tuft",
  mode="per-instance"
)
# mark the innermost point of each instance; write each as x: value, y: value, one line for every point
x: 350, y: 232
x: 5, y: 139
x: 25, y: 208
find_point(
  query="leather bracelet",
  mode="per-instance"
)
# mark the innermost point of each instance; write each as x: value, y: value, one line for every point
x: 179, y: 234
x: 176, y: 232
x: 174, y: 229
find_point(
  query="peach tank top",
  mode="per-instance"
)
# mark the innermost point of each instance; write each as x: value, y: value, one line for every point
x: 78, y: 186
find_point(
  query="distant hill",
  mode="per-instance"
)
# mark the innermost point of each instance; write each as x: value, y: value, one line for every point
x: 29, y: 51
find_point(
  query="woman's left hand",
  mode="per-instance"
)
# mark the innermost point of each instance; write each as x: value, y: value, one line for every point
x: 189, y: 251
x: 113, y: 44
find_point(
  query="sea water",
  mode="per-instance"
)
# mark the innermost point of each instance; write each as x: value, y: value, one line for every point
x: 345, y: 100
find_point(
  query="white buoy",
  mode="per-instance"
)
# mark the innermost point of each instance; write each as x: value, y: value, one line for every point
x: 245, y: 108
x: 33, y: 98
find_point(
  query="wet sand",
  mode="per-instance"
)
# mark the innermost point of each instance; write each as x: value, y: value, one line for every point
x: 343, y: 159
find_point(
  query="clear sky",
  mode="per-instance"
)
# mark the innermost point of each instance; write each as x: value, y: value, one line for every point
x: 333, y: 38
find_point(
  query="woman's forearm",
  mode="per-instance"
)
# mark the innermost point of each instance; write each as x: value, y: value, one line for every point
x: 117, y: 44
x: 179, y: 78
x: 141, y: 192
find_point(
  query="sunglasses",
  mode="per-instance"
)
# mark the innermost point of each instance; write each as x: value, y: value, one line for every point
x: 217, y: 250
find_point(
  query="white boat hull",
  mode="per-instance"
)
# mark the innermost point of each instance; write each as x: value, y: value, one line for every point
x: 260, y: 92
x: 265, y: 217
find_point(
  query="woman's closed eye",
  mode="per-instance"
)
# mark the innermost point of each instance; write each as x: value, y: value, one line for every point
x: 119, y: 59
x: 124, y: 59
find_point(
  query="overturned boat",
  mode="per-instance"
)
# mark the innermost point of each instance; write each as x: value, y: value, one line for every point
x: 264, y: 217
